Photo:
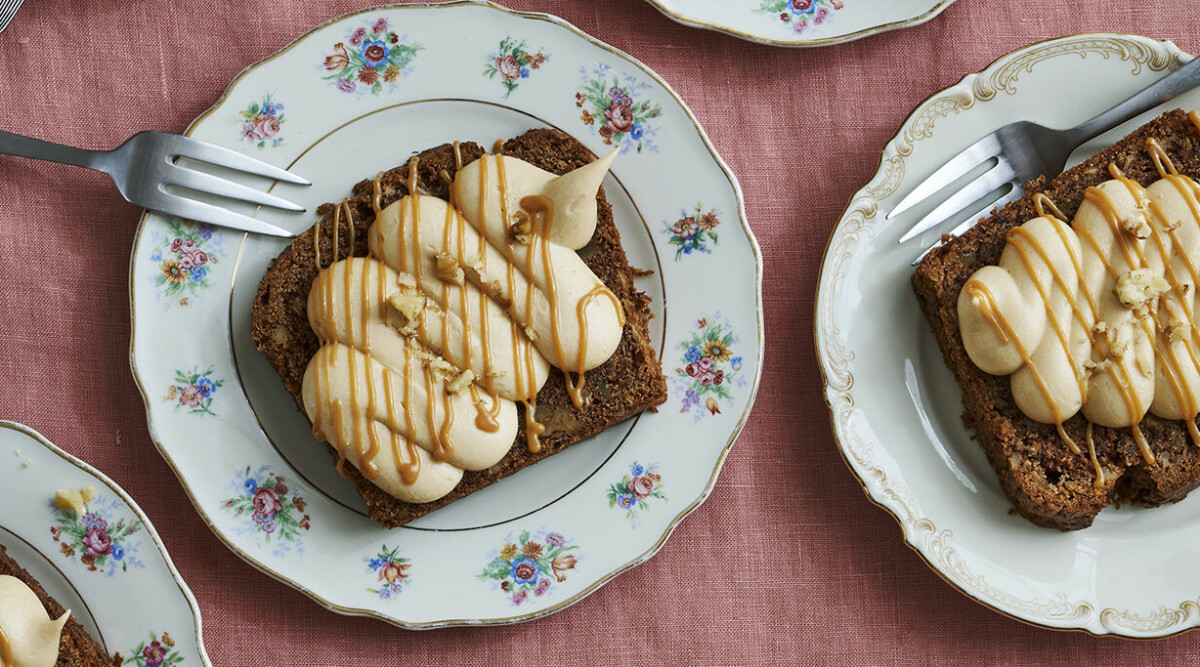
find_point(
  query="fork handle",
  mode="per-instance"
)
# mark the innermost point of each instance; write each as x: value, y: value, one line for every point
x: 15, y: 144
x: 1180, y: 81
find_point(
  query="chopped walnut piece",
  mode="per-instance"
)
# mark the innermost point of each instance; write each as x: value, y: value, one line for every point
x: 1177, y: 331
x: 439, y: 365
x: 1095, y: 367
x: 1174, y: 325
x: 1139, y: 288
x: 1111, y: 342
x: 408, y: 305
x: 69, y: 500
x: 1137, y: 225
x: 448, y: 269
x: 461, y: 382
x: 522, y: 229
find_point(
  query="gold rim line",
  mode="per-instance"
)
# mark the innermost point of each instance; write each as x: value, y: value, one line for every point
x: 241, y: 250
x: 137, y: 511
x: 1166, y: 46
x: 722, y: 455
x: 824, y: 41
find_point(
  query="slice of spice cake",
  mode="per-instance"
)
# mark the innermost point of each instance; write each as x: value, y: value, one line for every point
x: 1061, y: 475
x: 629, y: 382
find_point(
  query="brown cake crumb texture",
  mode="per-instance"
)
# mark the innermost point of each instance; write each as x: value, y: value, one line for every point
x: 624, y: 386
x: 1050, y: 485
x: 75, y: 647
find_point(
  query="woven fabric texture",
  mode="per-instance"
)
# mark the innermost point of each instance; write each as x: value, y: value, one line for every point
x: 787, y: 562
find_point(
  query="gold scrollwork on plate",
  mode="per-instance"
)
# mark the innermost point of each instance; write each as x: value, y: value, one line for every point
x: 1137, y: 53
x: 1161, y: 621
x: 920, y: 125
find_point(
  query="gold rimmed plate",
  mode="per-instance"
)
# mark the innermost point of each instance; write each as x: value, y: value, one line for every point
x: 896, y: 408
x: 456, y: 71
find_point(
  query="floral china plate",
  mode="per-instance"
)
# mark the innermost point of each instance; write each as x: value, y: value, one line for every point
x: 801, y: 22
x: 896, y: 407
x: 108, y: 566
x: 356, y: 96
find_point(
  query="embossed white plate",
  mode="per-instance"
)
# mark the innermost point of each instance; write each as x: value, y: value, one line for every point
x: 359, y: 95
x: 108, y: 566
x: 801, y: 22
x: 896, y: 408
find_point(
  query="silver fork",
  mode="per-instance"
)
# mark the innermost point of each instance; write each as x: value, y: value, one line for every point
x: 1023, y: 151
x: 146, y: 165
x: 8, y: 9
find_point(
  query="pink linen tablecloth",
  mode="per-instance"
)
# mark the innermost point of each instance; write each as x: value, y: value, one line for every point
x: 787, y: 562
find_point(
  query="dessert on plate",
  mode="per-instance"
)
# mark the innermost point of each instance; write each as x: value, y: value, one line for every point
x: 1068, y: 318
x: 459, y: 318
x: 35, y: 630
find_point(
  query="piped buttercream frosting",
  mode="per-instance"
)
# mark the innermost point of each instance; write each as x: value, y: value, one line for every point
x: 1097, y: 316
x: 28, y: 636
x: 459, y: 312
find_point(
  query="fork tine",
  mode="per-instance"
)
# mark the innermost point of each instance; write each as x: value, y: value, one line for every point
x: 1016, y: 193
x: 202, y: 182
x: 202, y: 212
x: 975, y: 154
x: 224, y: 157
x: 969, y: 194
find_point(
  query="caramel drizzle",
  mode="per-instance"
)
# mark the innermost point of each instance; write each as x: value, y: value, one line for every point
x: 526, y: 378
x: 575, y: 389
x: 991, y: 310
x: 1184, y: 396
x: 486, y: 418
x: 1041, y: 201
x: 6, y: 656
x: 442, y: 448
x: 408, y: 464
x: 409, y: 470
x: 1022, y: 234
x: 1098, y: 480
x: 1134, y: 259
x: 339, y: 439
x: 1188, y: 190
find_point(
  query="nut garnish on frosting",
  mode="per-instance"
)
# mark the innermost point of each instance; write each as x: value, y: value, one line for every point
x: 1097, y: 317
x: 28, y: 636
x: 458, y: 313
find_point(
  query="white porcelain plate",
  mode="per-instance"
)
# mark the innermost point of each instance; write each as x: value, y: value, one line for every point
x: 896, y: 408
x: 359, y: 95
x: 801, y: 22
x: 107, y: 566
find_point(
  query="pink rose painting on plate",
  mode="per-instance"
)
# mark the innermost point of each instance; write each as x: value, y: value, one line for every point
x: 158, y: 652
x: 615, y: 107
x: 710, y: 370
x: 271, y: 511
x: 636, y: 490
x: 184, y: 256
x: 801, y: 15
x: 262, y: 121
x: 99, y: 537
x: 194, y: 391
x: 512, y: 63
